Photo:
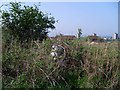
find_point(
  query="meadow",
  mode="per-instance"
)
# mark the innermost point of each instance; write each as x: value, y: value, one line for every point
x: 85, y: 65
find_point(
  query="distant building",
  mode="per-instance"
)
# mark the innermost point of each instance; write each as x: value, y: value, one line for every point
x: 115, y: 36
x: 119, y: 35
x: 95, y: 38
x: 65, y: 37
x: 94, y: 34
x: 105, y: 38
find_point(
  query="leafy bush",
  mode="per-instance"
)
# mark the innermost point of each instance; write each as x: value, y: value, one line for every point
x: 26, y: 23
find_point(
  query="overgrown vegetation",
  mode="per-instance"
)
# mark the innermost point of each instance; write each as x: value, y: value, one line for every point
x: 85, y: 66
x: 31, y: 66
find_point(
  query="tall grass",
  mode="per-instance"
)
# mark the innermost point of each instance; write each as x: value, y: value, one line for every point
x: 85, y: 66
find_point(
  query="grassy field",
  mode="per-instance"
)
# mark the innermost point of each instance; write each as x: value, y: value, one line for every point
x: 85, y: 65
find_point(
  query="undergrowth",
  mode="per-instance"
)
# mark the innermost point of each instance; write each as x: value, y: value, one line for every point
x: 85, y: 66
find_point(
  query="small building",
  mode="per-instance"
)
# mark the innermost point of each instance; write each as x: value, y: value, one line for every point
x: 105, y: 38
x: 65, y: 37
x: 94, y: 38
x: 115, y: 36
x: 94, y: 34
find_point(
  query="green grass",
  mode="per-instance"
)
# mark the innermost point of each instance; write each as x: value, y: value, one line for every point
x: 85, y: 66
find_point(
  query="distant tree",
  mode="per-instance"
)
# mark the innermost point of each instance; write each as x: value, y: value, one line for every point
x: 79, y: 32
x: 26, y: 23
x: 60, y: 34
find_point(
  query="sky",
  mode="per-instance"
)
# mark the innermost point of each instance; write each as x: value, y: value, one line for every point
x: 92, y: 17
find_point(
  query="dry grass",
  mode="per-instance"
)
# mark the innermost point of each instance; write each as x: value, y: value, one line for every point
x: 85, y: 65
